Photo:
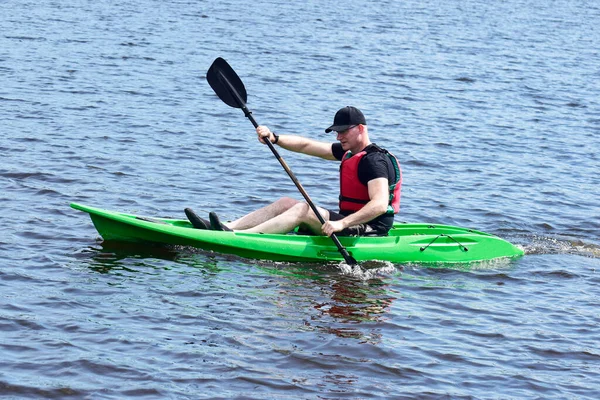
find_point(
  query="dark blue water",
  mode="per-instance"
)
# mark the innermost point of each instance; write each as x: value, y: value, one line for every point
x: 492, y: 109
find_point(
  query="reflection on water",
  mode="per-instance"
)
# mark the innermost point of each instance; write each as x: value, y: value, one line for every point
x: 347, y: 306
x: 355, y: 301
x: 113, y: 255
x: 348, y: 302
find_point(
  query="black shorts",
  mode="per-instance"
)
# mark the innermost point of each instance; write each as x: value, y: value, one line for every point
x: 356, y: 230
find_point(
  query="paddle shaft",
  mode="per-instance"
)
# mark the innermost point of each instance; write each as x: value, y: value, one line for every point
x: 241, y: 103
x: 289, y: 172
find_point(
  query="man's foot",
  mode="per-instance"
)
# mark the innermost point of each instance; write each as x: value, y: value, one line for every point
x: 197, y: 222
x: 216, y: 225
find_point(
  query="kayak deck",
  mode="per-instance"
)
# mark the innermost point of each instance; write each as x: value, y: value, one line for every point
x: 406, y: 242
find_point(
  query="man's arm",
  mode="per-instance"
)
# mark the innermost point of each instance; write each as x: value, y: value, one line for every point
x: 377, y: 205
x: 298, y: 144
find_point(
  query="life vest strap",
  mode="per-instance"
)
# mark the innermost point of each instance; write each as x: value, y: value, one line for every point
x: 352, y: 200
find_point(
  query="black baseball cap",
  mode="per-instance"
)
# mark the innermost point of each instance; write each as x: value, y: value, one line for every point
x: 345, y: 118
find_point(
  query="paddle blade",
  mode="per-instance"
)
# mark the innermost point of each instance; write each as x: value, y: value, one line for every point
x: 226, y: 83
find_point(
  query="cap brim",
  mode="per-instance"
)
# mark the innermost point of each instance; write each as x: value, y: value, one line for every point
x: 337, y: 128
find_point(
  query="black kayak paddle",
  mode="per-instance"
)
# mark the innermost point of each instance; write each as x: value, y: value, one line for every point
x: 230, y: 88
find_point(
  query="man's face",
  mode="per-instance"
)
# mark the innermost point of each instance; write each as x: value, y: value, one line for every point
x: 348, y: 137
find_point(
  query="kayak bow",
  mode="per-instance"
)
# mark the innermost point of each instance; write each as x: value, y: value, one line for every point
x: 406, y: 242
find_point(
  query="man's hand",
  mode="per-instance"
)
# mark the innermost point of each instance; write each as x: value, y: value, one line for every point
x: 331, y: 227
x: 264, y: 133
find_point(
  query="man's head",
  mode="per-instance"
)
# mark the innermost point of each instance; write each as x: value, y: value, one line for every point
x: 351, y: 127
x: 347, y: 118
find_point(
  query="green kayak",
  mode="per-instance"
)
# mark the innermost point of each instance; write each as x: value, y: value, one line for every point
x: 406, y: 242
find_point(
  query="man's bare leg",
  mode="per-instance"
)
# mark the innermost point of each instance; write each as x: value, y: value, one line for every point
x: 261, y: 215
x: 299, y: 214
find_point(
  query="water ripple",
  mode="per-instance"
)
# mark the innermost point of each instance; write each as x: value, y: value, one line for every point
x: 492, y: 110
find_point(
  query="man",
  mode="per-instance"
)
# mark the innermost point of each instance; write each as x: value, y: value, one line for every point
x: 370, y: 184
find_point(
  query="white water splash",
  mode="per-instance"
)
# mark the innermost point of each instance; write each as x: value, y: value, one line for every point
x: 368, y: 269
x: 561, y: 245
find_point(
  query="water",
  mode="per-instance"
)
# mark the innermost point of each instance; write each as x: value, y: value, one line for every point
x: 491, y: 108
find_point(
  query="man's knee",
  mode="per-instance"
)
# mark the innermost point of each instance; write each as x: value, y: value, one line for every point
x: 300, y: 208
x: 310, y: 217
x: 287, y: 202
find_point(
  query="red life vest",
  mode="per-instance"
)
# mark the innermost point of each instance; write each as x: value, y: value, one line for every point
x: 354, y: 194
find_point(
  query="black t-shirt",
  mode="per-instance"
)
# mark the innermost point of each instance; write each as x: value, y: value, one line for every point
x: 375, y: 164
